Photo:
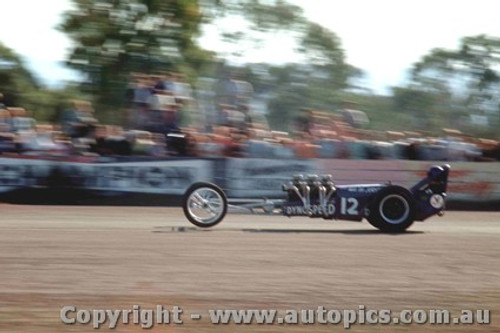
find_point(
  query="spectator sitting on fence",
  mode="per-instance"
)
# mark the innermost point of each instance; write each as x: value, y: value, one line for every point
x: 110, y: 140
x: 171, y: 119
x: 139, y: 94
x: 79, y: 120
x: 158, y: 103
x: 225, y: 140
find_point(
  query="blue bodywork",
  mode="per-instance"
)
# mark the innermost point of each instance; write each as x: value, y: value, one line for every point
x: 352, y: 202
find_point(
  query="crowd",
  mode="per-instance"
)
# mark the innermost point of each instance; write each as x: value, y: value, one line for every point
x: 157, y: 102
x: 154, y: 129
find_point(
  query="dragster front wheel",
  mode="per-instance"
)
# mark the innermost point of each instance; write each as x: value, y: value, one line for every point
x: 204, y: 204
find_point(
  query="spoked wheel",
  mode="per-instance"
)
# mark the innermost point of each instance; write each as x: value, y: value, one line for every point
x: 204, y: 204
x: 393, y: 210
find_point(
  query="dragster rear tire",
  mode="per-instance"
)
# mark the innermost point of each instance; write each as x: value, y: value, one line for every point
x: 204, y: 204
x: 393, y: 210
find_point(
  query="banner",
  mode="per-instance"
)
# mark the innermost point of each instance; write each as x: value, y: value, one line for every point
x: 16, y: 173
x: 239, y: 177
x: 257, y: 178
x: 155, y: 177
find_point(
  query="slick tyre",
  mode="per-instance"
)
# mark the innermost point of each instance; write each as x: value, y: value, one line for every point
x: 393, y: 210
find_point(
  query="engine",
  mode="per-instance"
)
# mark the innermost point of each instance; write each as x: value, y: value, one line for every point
x: 310, y: 196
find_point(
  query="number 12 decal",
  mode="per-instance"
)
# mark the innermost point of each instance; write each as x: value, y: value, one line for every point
x: 349, y: 206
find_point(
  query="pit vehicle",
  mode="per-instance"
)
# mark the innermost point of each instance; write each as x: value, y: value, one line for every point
x: 389, y: 208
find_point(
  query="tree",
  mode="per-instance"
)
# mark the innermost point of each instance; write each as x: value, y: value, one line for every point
x: 324, y: 50
x: 476, y: 62
x: 114, y: 38
x: 472, y: 69
x: 320, y: 47
x: 314, y: 82
x: 15, y: 79
x: 469, y: 77
x: 20, y: 88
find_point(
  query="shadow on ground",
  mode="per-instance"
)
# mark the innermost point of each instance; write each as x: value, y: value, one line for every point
x: 283, y: 231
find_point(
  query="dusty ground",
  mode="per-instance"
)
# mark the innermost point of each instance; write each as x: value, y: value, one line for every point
x: 113, y: 258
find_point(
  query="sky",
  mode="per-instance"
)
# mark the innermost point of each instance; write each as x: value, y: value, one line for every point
x: 382, y: 37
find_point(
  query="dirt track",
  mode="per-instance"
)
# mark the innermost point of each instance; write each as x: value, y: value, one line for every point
x: 115, y: 257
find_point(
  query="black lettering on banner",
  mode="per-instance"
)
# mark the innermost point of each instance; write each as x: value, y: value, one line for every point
x: 103, y: 176
x: 152, y: 177
x: 75, y: 174
x: 29, y: 175
x: 90, y: 176
x: 118, y: 177
x: 286, y: 169
x: 21, y: 175
x: 179, y: 177
x: 112, y: 177
x: 129, y: 174
x: 11, y: 175
x: 166, y: 177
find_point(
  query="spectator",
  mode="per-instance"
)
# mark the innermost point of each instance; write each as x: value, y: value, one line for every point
x: 2, y: 106
x: 171, y: 118
x: 165, y: 82
x: 79, y: 120
x: 142, y: 93
x: 304, y: 121
x: 109, y: 140
x: 159, y: 103
x: 181, y: 89
x: 228, y: 91
x: 246, y: 123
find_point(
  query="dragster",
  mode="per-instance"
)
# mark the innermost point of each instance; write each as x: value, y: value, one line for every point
x: 388, y: 207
